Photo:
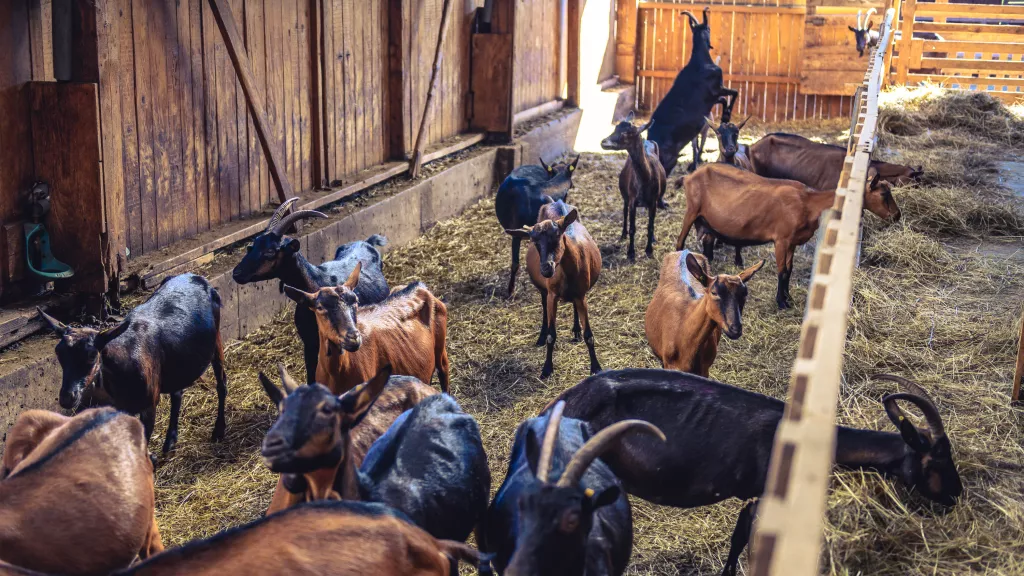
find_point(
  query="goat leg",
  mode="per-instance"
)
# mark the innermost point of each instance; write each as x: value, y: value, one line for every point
x: 552, y: 314
x: 739, y: 257
x: 515, y: 266
x: 731, y: 96
x: 625, y: 217
x: 782, y: 292
x: 588, y: 334
x: 651, y: 212
x: 172, y: 424
x: 222, y: 389
x: 631, y: 253
x: 577, y: 332
x: 543, y: 338
x: 740, y: 537
x: 305, y: 325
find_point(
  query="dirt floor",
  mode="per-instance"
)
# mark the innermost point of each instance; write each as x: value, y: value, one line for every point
x: 937, y: 299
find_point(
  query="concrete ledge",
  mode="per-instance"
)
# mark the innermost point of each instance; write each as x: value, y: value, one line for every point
x: 402, y: 217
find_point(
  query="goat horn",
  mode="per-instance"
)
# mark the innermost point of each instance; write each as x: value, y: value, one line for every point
x: 596, y: 446
x: 548, y: 446
x: 867, y: 16
x: 693, y: 19
x: 916, y: 395
x: 710, y: 123
x: 287, y: 221
x: 280, y: 211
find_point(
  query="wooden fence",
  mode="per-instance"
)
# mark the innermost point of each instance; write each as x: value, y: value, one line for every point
x: 974, y: 47
x: 788, y: 532
x: 788, y: 61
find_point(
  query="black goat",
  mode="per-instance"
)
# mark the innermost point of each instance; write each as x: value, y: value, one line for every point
x: 430, y: 464
x: 720, y: 440
x: 863, y: 34
x: 272, y: 255
x: 679, y: 117
x: 580, y: 524
x: 162, y: 347
x: 522, y: 194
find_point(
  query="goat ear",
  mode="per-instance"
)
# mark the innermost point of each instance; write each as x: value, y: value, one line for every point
x: 572, y: 167
x: 301, y: 298
x: 353, y: 278
x: 56, y: 325
x: 631, y: 116
x: 852, y: 29
x: 518, y: 233
x: 565, y: 221
x: 533, y: 446
x: 290, y: 245
x: 607, y: 496
x: 870, y: 24
x: 646, y: 127
x: 289, y: 383
x: 744, y: 123
x: 357, y: 402
x: 275, y: 394
x: 747, y: 274
x: 546, y: 167
x: 104, y: 338
x: 696, y: 270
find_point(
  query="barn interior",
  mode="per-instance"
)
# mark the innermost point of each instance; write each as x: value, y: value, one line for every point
x: 167, y: 133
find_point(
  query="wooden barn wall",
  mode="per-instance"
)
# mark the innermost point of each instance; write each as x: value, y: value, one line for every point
x: 448, y: 117
x: 15, y: 125
x: 760, y: 44
x: 537, y: 46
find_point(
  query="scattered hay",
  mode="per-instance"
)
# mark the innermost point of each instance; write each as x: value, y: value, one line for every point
x: 926, y: 306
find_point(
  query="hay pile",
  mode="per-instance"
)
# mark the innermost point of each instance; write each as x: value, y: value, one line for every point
x: 937, y: 300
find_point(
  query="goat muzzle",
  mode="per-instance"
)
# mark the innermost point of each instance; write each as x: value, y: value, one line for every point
x: 352, y: 342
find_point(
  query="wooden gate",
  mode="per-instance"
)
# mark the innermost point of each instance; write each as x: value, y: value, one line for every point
x: 978, y: 47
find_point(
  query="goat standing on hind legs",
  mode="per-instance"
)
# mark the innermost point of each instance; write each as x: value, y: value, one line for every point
x: 564, y: 263
x: 642, y: 180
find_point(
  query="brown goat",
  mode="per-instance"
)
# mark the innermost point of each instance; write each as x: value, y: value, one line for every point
x: 641, y: 182
x: 339, y: 439
x: 76, y: 495
x: 819, y: 166
x: 317, y: 538
x: 730, y: 151
x: 564, y: 263
x: 691, y: 309
x: 748, y: 210
x: 407, y: 330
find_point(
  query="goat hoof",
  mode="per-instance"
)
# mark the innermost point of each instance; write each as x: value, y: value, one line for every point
x: 631, y: 256
x: 662, y: 205
x: 546, y: 372
x: 218, y: 432
x: 783, y: 305
x: 541, y: 341
x: 577, y: 337
x: 169, y: 444
x: 649, y: 252
x: 595, y: 368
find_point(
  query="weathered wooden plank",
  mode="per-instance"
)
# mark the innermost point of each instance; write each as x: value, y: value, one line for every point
x: 983, y: 30
x: 253, y: 9
x: 145, y: 95
x: 973, y: 66
x: 129, y: 128
x: 229, y: 32
x: 109, y: 67
x: 211, y: 78
x: 302, y: 65
x: 198, y: 117
x: 989, y: 12
x: 317, y: 93
x: 492, y: 82
x: 241, y: 125
x: 186, y: 193
x: 353, y: 162
x: 66, y: 152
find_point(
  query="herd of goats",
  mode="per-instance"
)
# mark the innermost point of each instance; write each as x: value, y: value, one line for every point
x: 379, y: 473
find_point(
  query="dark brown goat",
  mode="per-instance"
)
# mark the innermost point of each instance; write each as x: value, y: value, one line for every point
x: 318, y: 538
x: 691, y: 309
x: 162, y: 347
x: 641, y: 182
x: 76, y: 494
x: 564, y: 263
x: 408, y: 330
x: 792, y: 157
x: 346, y: 433
x: 747, y: 210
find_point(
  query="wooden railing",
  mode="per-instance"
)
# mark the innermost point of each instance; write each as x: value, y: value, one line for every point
x: 982, y: 49
x: 788, y: 532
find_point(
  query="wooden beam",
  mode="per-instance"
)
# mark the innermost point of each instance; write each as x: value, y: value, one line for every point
x: 316, y: 80
x: 697, y: 8
x: 907, y: 30
x: 788, y: 536
x: 1018, y: 373
x: 980, y: 11
x: 573, y: 87
x: 539, y: 110
x: 670, y: 74
x: 625, y: 40
x: 417, y: 155
x: 236, y: 51
x: 985, y: 30
x: 974, y: 66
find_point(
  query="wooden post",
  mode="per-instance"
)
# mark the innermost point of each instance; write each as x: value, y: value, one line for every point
x: 625, y: 40
x: 417, y: 156
x: 906, y: 40
x: 897, y: 6
x: 316, y: 116
x: 236, y: 51
x: 1019, y: 372
x: 573, y: 65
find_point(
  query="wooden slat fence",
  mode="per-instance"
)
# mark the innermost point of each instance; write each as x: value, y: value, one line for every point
x: 980, y: 48
x: 788, y: 531
x: 761, y: 46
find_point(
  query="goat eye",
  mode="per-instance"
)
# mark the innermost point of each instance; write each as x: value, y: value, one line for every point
x: 570, y: 522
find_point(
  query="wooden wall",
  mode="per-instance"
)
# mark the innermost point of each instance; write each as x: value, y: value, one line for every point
x: 537, y: 48
x: 760, y: 44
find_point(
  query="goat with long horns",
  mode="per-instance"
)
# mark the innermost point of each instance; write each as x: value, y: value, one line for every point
x: 580, y: 523
x: 273, y: 255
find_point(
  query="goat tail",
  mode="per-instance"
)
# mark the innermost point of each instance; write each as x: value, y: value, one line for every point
x: 377, y: 240
x: 457, y: 551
